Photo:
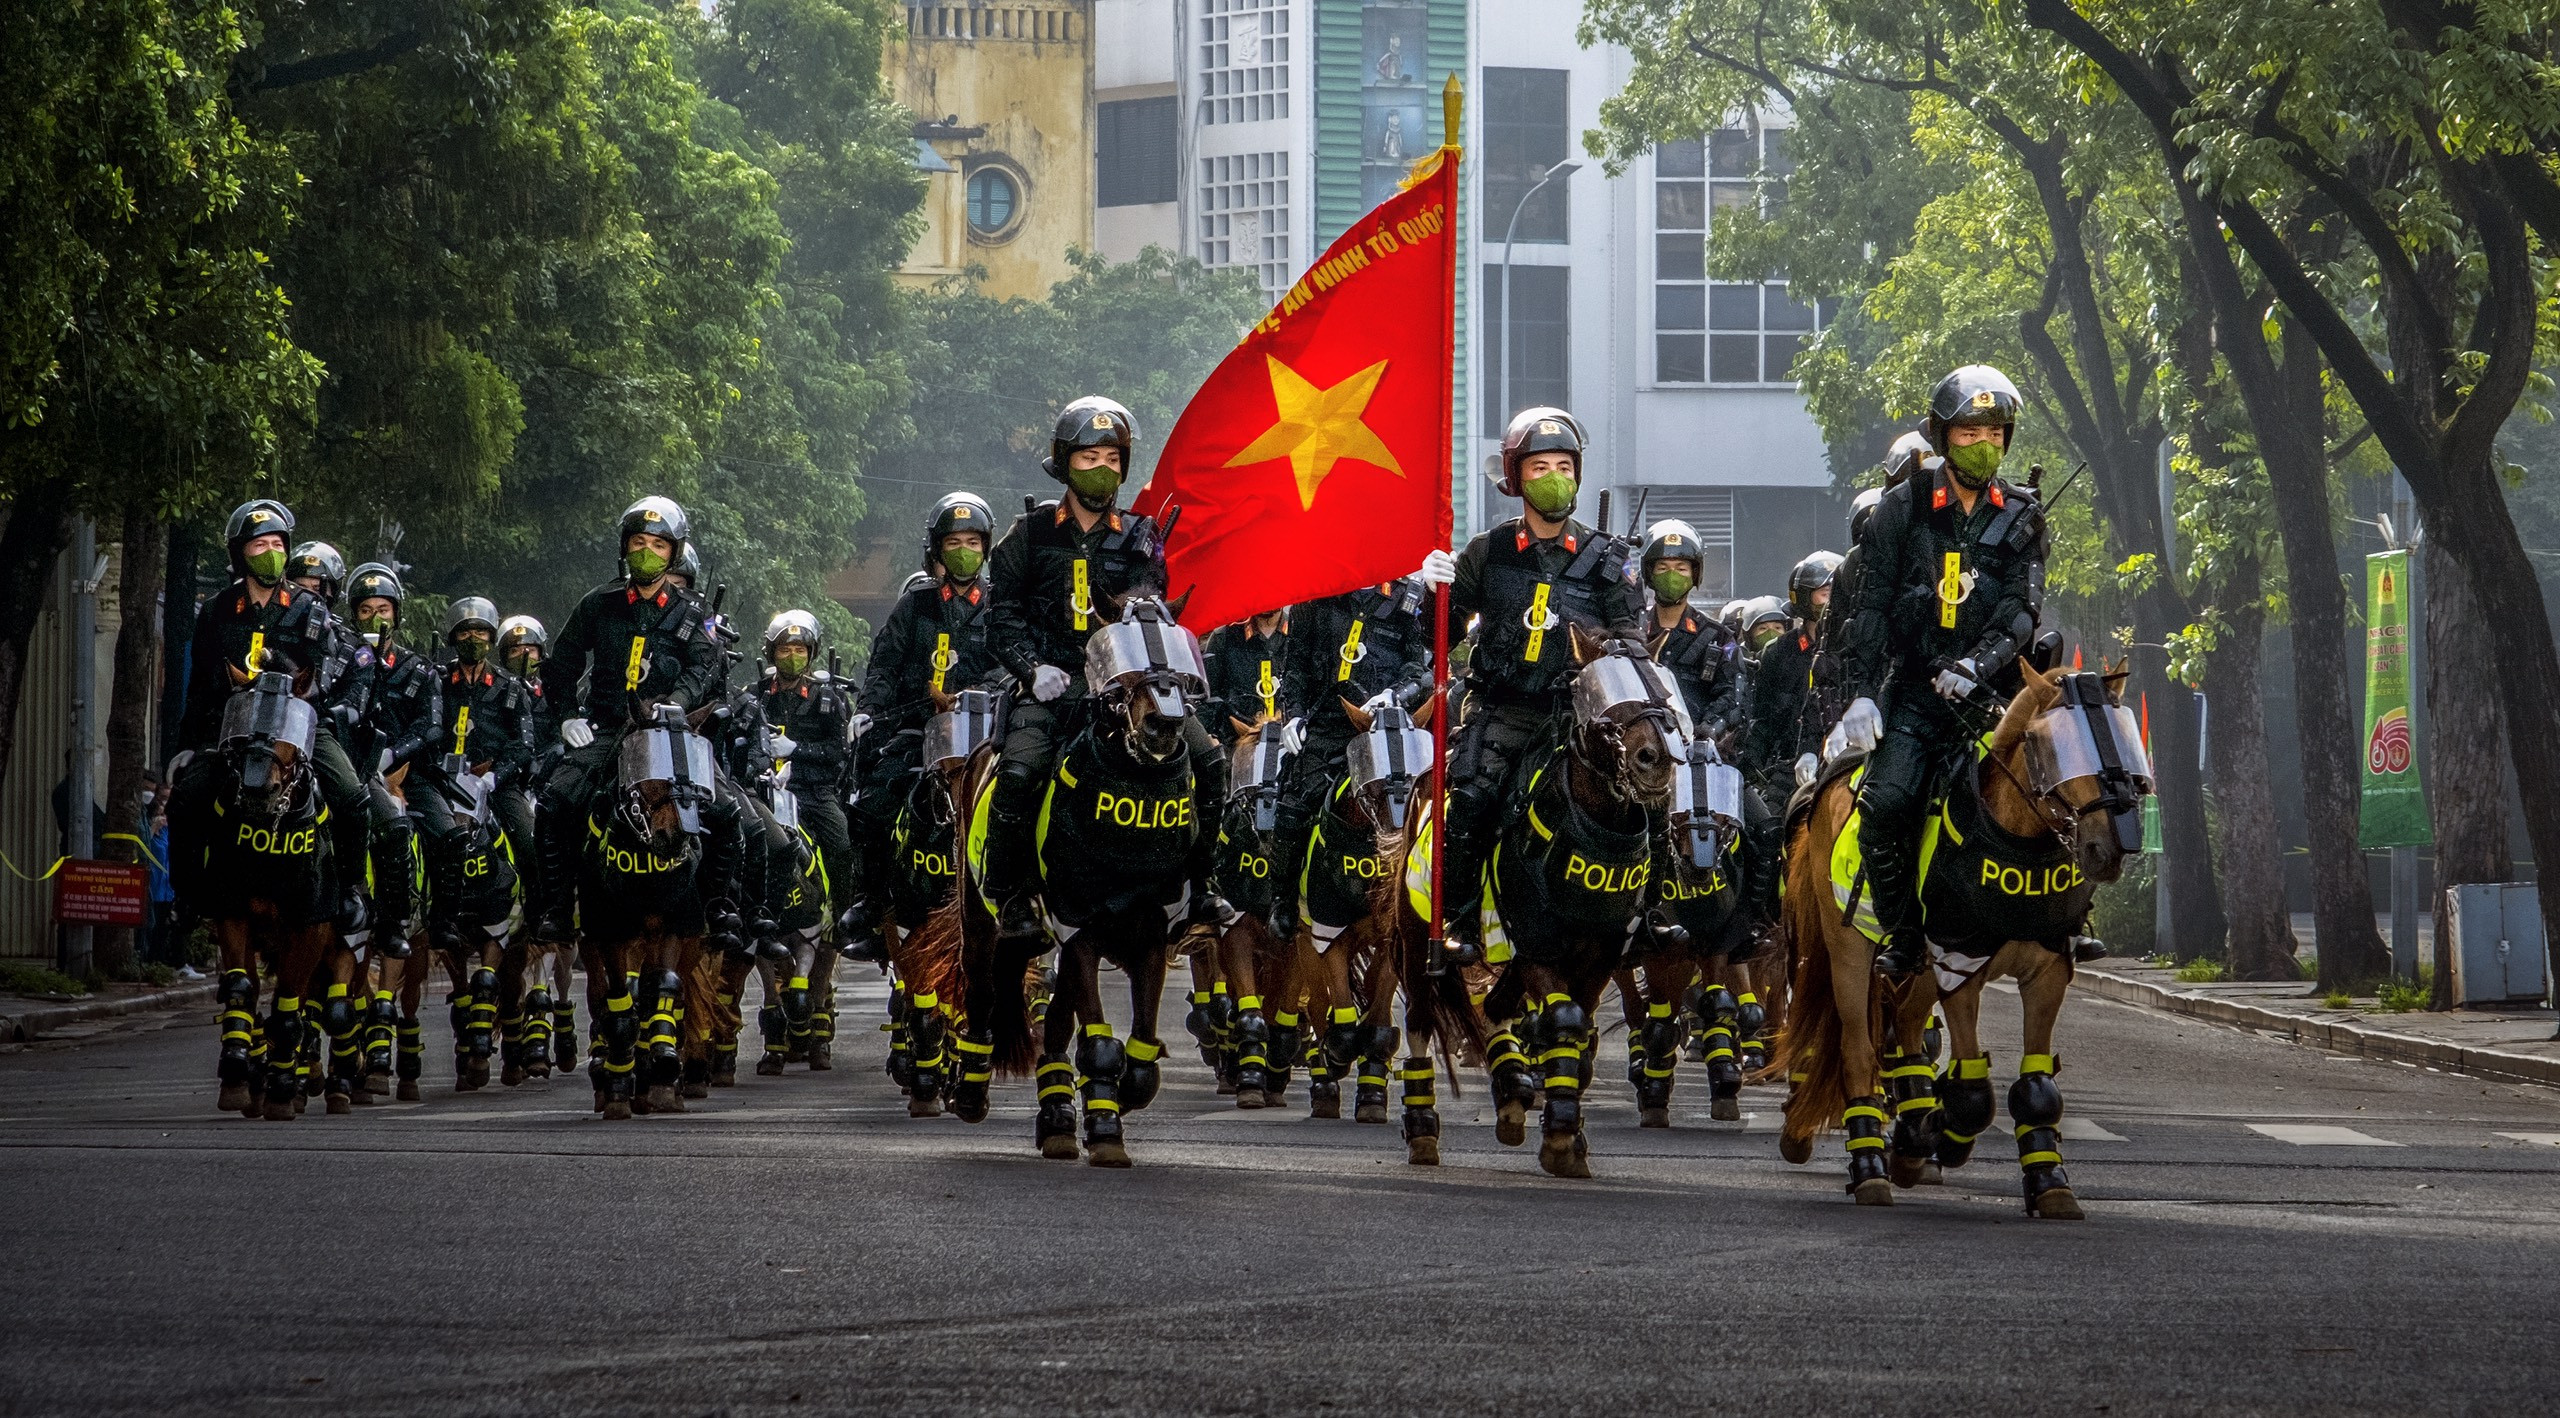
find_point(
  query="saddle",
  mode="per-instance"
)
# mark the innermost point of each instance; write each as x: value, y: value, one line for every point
x: 285, y: 864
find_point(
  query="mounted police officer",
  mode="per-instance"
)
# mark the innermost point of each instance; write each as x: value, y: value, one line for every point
x: 1951, y: 590
x: 389, y: 709
x: 1055, y: 578
x: 489, y: 724
x: 810, y: 717
x: 1706, y: 662
x: 1245, y: 662
x: 319, y: 568
x: 521, y: 640
x: 1525, y: 581
x: 934, y: 642
x: 1788, y: 711
x: 259, y: 623
x: 642, y: 639
x: 1363, y: 647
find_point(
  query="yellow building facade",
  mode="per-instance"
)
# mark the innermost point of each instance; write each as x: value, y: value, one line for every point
x: 1003, y: 97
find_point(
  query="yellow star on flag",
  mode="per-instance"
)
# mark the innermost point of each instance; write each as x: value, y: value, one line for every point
x: 1318, y: 428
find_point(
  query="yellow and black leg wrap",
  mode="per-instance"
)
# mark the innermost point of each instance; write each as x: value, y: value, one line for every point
x: 564, y: 1034
x: 1203, y: 1026
x: 239, y: 997
x: 1253, y: 1046
x: 1100, y: 1062
x: 412, y: 1061
x: 1723, y: 1056
x: 1343, y: 1037
x: 537, y: 1029
x: 1282, y: 1052
x: 974, y: 1051
x: 1864, y: 1121
x: 484, y: 1012
x: 2035, y: 1105
x: 1421, y: 1103
x: 284, y: 1043
x: 1141, y: 1075
x: 1965, y: 1108
x: 666, y: 1020
x: 1751, y: 1021
x: 1057, y: 1115
x: 1508, y: 1064
x: 1563, y: 1065
x: 1913, y: 1087
x: 1653, y: 1053
x: 902, y: 1057
x: 924, y: 1041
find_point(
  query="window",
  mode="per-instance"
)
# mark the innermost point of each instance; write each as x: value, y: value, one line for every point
x: 1723, y: 332
x: 1244, y: 215
x: 1710, y: 512
x: 994, y: 199
x: 1244, y: 60
x: 1133, y: 160
x: 1524, y: 135
x: 1540, y: 342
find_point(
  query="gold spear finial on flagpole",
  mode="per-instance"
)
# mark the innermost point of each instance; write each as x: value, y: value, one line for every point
x: 1453, y: 103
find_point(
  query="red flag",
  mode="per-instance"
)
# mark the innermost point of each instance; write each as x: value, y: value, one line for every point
x: 1315, y: 460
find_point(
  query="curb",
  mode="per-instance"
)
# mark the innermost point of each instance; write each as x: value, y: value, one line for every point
x: 2338, y: 1038
x: 25, y: 1027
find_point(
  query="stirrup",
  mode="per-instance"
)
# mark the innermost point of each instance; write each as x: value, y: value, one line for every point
x: 1018, y: 918
x: 1905, y: 953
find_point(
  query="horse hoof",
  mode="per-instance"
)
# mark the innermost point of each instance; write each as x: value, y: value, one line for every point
x: 924, y: 1107
x: 1653, y: 1117
x: 512, y: 1075
x: 1792, y: 1148
x: 235, y: 1098
x: 695, y: 1088
x: 1061, y: 1148
x: 539, y: 1068
x: 1558, y: 1157
x: 821, y: 1061
x: 1369, y: 1113
x: 663, y: 1099
x: 640, y: 1106
x: 1226, y: 1089
x: 2057, y: 1205
x: 1324, y: 1107
x: 1725, y: 1110
x: 1906, y: 1171
x: 1422, y: 1151
x: 1874, y: 1191
x: 282, y: 1110
x: 1932, y: 1175
x: 300, y: 1102
x: 1511, y: 1124
x: 617, y: 1110
x: 340, y: 1105
x: 969, y: 1112
x: 408, y: 1092
x: 377, y: 1083
x: 1251, y: 1098
x: 770, y: 1066
x: 1106, y: 1154
x: 600, y: 1102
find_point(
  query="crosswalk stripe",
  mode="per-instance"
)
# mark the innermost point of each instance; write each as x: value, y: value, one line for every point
x: 2319, y: 1135
x: 2083, y: 1130
x: 2547, y: 1139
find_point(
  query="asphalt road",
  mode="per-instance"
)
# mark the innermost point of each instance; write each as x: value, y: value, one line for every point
x: 798, y: 1245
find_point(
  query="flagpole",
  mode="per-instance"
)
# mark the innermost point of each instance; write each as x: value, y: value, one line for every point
x: 1452, y: 102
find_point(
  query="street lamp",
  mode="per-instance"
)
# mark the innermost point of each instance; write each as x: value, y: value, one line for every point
x: 1503, y: 361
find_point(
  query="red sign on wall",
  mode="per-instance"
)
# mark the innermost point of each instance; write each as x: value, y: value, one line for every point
x: 101, y: 894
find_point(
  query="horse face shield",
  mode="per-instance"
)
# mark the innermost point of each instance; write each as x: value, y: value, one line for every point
x: 2087, y: 753
x: 1386, y: 764
x: 1147, y: 653
x: 951, y: 736
x: 271, y: 733
x: 1706, y: 805
x: 667, y: 755
x: 1254, y: 771
x: 1623, y: 689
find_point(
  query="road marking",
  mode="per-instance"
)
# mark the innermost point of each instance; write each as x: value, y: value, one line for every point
x: 2314, y: 1135
x: 2547, y: 1139
x: 2083, y: 1130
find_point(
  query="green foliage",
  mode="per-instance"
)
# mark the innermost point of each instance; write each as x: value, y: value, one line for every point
x: 17, y: 977
x: 2122, y: 913
x: 2337, y: 999
x: 2203, y: 970
x: 2397, y: 996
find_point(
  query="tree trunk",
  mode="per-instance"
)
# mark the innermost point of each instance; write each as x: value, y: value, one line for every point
x: 2466, y: 789
x: 2197, y: 924
x: 2261, y: 929
x: 142, y: 560
x: 36, y: 535
x: 177, y: 635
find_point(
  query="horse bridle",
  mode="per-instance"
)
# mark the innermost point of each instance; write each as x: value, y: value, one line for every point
x: 1657, y: 708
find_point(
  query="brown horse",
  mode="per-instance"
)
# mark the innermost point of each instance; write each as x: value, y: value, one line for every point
x: 2031, y: 798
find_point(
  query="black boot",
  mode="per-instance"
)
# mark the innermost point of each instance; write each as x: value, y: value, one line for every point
x: 1010, y: 876
x: 1462, y: 890
x: 394, y: 896
x: 558, y: 853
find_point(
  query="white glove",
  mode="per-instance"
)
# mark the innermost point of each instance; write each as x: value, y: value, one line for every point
x: 1438, y: 569
x: 861, y: 725
x: 1379, y: 701
x: 1954, y: 685
x: 1860, y: 726
x: 179, y: 764
x: 1835, y: 743
x: 1807, y: 766
x: 781, y: 745
x: 577, y: 733
x: 1048, y: 682
x: 383, y: 765
x: 1293, y: 735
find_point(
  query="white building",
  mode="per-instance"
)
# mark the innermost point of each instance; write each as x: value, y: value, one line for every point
x: 1251, y: 132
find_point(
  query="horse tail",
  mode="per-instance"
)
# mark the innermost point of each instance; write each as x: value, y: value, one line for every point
x: 1438, y: 1007
x: 1808, y: 1046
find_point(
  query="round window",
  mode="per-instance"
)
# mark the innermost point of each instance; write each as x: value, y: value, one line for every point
x: 993, y: 199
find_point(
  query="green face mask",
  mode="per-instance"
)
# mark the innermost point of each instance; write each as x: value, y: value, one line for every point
x: 268, y: 567
x: 1670, y: 586
x: 1552, y: 493
x: 471, y: 652
x: 1975, y: 463
x: 792, y: 660
x: 1094, y: 484
x: 373, y: 624
x: 963, y: 562
x: 646, y: 565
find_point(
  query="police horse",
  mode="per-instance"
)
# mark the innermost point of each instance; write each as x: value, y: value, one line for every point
x: 1565, y: 892
x: 1116, y: 850
x: 2035, y: 817
x: 267, y: 882
x: 1699, y: 925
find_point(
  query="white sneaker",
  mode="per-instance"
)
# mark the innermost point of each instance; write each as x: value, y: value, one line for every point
x: 189, y: 972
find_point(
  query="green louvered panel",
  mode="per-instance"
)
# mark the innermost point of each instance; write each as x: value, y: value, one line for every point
x: 1338, y: 120
x: 1448, y: 51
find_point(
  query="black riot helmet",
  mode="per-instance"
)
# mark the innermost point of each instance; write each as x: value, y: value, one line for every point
x: 1091, y: 422
x: 659, y: 517
x: 794, y: 628
x: 1539, y: 430
x: 687, y: 567
x: 1810, y: 575
x: 1977, y: 394
x: 1863, y: 511
x: 1905, y: 456
x: 320, y: 562
x: 470, y: 613
x: 521, y: 632
x: 257, y: 518
x: 960, y: 512
x: 371, y: 580
x: 1672, y: 540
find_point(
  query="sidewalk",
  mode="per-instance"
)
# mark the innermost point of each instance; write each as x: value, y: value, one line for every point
x: 2514, y: 1046
x: 23, y: 1020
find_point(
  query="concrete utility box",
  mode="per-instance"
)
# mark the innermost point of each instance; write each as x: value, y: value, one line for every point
x: 2497, y: 951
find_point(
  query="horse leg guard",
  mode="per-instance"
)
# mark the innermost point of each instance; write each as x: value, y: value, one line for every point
x: 2035, y: 1105
x: 1753, y: 1022
x: 381, y: 1030
x: 564, y: 1034
x: 1054, y: 1127
x: 1253, y: 1053
x: 1693, y: 1003
x: 666, y: 1014
x: 411, y: 1064
x: 902, y: 1059
x: 1142, y: 1075
x: 822, y: 1039
x: 307, y: 1066
x: 1568, y: 1033
x: 1654, y: 1051
x: 1343, y: 1038
x: 696, y: 1079
x: 1912, y: 1085
x: 776, y: 1027
x: 1512, y: 1087
x: 238, y: 995
x: 975, y: 1052
x: 925, y: 1035
x: 1281, y: 1054
x: 511, y: 1049
x: 1324, y: 1090
x: 537, y: 1032
x: 484, y: 1010
x: 1203, y: 1026
x: 1101, y: 1060
x: 1964, y: 1109
x: 1864, y: 1121
x: 1421, y: 1112
x: 284, y: 1044
x: 795, y: 1019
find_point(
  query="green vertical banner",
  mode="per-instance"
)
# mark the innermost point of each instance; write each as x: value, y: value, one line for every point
x: 2395, y: 802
